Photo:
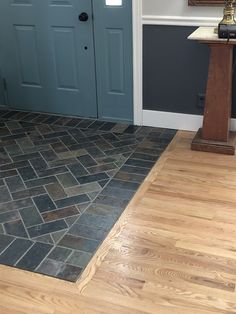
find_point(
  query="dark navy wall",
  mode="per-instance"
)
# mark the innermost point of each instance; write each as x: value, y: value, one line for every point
x: 174, y: 70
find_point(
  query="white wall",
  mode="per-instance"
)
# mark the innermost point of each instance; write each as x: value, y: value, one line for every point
x: 178, y: 8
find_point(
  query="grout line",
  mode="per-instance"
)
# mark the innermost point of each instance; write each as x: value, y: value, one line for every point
x: 24, y: 225
x: 7, y: 187
x: 48, y: 176
x: 21, y: 180
x: 9, y: 244
x: 72, y: 176
x: 99, y: 241
x: 48, y: 233
x: 56, y: 243
x: 69, y: 256
x: 24, y: 253
x: 44, y: 257
x: 5, y: 203
x: 54, y: 220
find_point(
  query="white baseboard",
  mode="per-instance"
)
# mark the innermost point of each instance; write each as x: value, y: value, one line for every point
x: 179, y: 20
x: 177, y: 121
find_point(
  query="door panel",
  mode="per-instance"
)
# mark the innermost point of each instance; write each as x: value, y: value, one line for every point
x: 64, y: 45
x: 113, y: 44
x: 115, y: 49
x: 49, y: 56
x: 27, y: 55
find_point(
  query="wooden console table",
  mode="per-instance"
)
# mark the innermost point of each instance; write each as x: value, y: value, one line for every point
x: 215, y: 135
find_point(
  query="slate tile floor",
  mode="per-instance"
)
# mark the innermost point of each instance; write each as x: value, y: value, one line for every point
x: 63, y: 184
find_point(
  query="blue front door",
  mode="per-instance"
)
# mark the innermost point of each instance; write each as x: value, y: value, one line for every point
x: 49, y: 56
x: 68, y: 56
x: 114, y: 58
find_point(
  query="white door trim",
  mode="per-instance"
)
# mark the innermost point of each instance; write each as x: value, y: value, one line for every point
x: 137, y: 62
x: 147, y: 117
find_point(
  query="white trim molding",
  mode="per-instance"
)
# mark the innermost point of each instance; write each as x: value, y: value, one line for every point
x: 177, y: 121
x: 180, y: 20
x: 137, y: 62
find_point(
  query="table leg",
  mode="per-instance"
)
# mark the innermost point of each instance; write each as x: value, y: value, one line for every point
x: 215, y: 135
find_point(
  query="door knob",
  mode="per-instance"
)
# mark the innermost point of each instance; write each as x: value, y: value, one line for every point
x: 83, y: 17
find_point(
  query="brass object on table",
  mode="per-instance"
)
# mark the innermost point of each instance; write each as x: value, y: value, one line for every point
x: 227, y: 27
x: 229, y: 13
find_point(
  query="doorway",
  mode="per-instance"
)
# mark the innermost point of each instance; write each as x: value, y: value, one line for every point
x: 70, y: 57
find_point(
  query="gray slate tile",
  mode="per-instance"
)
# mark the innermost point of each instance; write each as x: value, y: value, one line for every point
x: 8, y: 173
x: 4, y: 195
x: 15, y: 251
x: 30, y: 216
x: 140, y: 163
x: 15, y: 228
x: 15, y: 183
x: 102, y: 168
x: 88, y: 232
x: 97, y: 221
x: 38, y: 164
x: 5, y: 241
x: 80, y: 258
x: 69, y: 273
x: 114, y: 202
x: 47, y: 238
x: 144, y: 157
x: 27, y: 173
x: 133, y: 186
x: 60, y: 213
x: 14, y: 165
x: 44, y: 203
x: 31, y: 260
x: 56, y: 191
x: 77, y: 170
x: 135, y: 170
x: 9, y: 216
x: 39, y: 182
x: 114, y: 192
x: 14, y: 150
x: 83, y: 189
x: 27, y: 202
x: 87, y: 161
x: 60, y: 254
x: 73, y: 200
x: 52, y: 171
x: 39, y: 230
x: 67, y: 180
x: 49, y: 155
x: 50, y: 267
x: 28, y: 193
x: 92, y: 178
x: 26, y: 157
x: 78, y: 243
x: 125, y: 176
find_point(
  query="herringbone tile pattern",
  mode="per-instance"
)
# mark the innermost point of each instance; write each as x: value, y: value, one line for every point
x: 63, y: 184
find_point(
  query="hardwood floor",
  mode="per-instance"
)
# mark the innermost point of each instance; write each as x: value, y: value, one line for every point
x: 172, y: 251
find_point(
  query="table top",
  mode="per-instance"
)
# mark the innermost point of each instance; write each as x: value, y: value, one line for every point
x: 208, y: 35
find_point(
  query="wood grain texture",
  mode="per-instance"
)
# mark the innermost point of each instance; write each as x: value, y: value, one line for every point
x: 215, y: 135
x: 173, y: 251
x: 206, y: 2
x: 218, y: 104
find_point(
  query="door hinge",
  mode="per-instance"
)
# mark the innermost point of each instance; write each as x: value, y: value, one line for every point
x: 4, y: 84
x: 5, y: 90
